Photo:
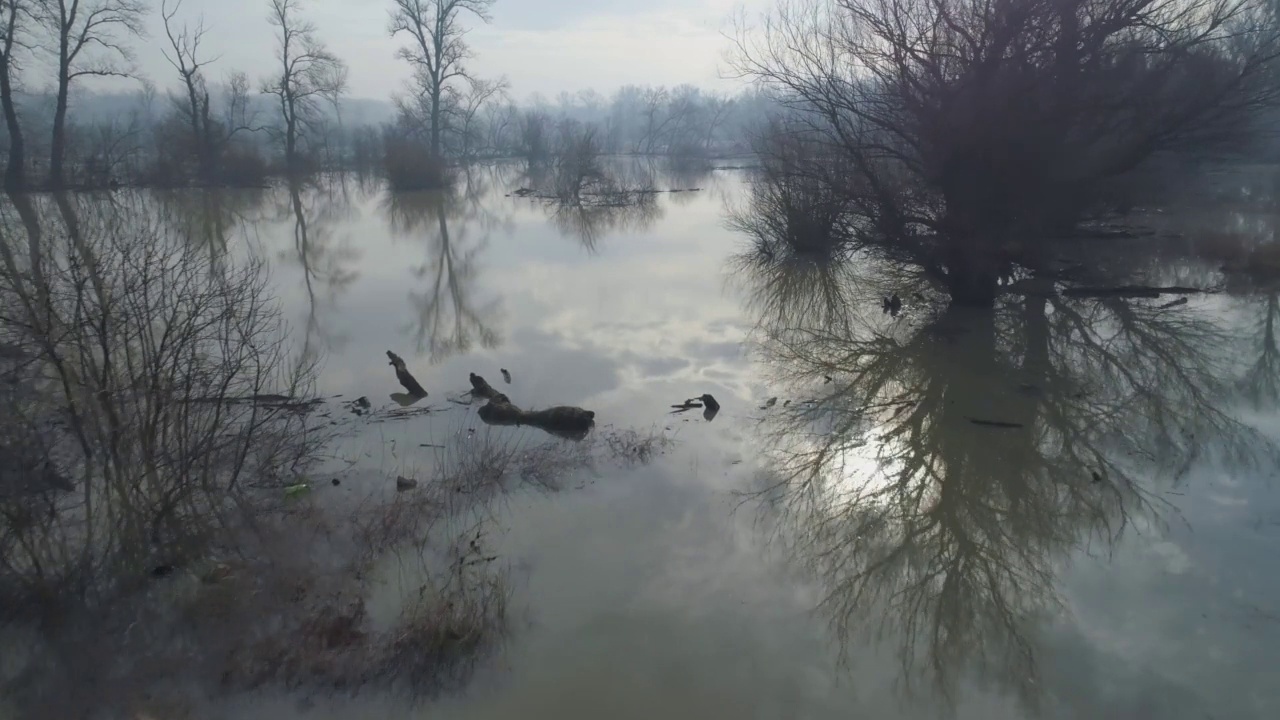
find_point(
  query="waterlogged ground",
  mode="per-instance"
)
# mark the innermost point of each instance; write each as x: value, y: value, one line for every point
x: 1065, y: 509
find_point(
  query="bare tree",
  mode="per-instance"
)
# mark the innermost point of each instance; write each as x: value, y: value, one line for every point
x: 89, y: 38
x: 500, y: 121
x: 480, y: 94
x: 654, y: 107
x: 437, y: 51
x: 718, y: 108
x: 184, y: 56
x: 237, y: 115
x: 209, y: 134
x: 14, y: 14
x: 535, y: 140
x: 309, y: 74
x: 969, y: 127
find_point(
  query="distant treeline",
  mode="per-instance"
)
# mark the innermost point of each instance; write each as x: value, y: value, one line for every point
x: 142, y: 138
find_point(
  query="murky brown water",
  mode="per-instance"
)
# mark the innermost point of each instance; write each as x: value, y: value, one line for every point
x: 1063, y: 509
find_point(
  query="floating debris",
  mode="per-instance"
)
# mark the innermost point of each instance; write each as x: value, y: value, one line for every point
x: 713, y: 407
x: 294, y: 491
x: 996, y: 423
x: 216, y: 574
x: 403, y: 483
x: 506, y: 376
x: 686, y: 405
x: 769, y: 403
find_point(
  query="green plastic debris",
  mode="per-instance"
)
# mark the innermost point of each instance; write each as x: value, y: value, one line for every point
x: 298, y: 490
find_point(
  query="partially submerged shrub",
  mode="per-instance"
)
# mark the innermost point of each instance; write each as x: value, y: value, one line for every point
x: 409, y: 163
x: 577, y: 170
x: 146, y: 359
x: 798, y: 207
x: 243, y: 167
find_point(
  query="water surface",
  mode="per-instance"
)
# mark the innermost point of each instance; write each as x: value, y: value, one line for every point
x: 1060, y: 509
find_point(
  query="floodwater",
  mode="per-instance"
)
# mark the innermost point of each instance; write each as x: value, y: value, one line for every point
x: 1062, y: 509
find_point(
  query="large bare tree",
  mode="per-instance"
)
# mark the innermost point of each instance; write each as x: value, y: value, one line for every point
x: 88, y: 39
x: 14, y: 17
x: 437, y: 51
x: 208, y: 134
x: 185, y: 57
x: 309, y: 75
x: 963, y: 128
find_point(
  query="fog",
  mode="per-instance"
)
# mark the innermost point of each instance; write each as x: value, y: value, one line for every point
x: 683, y: 359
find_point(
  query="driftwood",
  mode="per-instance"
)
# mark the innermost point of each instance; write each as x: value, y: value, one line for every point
x: 1130, y: 291
x: 567, y: 422
x: 406, y: 378
x: 705, y: 401
x: 996, y: 423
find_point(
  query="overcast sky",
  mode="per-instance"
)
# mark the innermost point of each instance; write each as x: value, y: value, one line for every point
x: 542, y: 46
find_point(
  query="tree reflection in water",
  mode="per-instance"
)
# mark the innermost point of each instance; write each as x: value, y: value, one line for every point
x: 455, y: 228
x: 315, y: 206
x: 949, y: 463
x: 590, y: 222
x: 209, y: 216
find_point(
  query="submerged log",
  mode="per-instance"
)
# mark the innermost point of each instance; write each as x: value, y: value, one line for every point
x: 406, y: 378
x: 1130, y: 291
x: 482, y: 389
x: 996, y: 424
x: 572, y: 423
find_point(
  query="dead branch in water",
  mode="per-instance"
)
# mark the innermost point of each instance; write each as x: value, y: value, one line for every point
x: 405, y: 377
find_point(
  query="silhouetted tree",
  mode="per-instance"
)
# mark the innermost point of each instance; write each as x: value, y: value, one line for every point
x: 88, y: 42
x: 967, y: 129
x: 437, y: 52
x: 309, y: 74
x: 207, y: 135
x: 14, y: 17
